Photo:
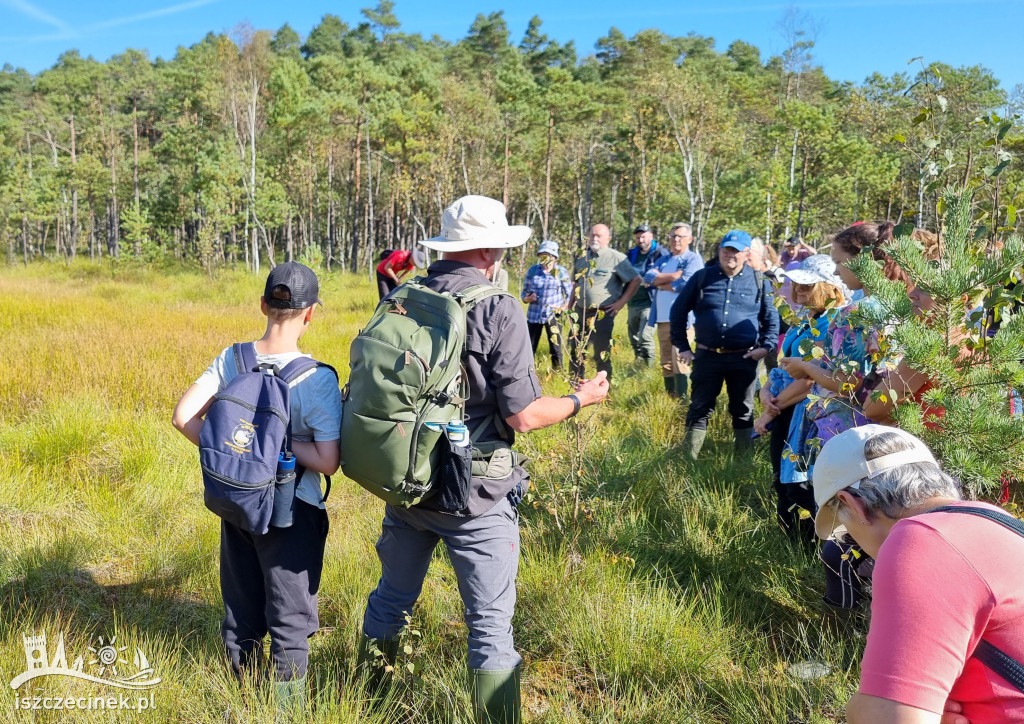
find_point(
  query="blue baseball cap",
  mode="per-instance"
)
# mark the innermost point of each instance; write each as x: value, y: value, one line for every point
x: 736, y: 239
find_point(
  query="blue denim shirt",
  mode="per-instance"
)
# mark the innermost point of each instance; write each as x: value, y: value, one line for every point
x: 728, y: 314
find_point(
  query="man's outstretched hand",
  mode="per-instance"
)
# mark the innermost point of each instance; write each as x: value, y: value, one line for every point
x: 593, y: 390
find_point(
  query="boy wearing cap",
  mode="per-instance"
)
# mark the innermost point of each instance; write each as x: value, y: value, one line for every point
x: 269, y: 582
x: 546, y: 289
x: 645, y: 255
x: 735, y: 325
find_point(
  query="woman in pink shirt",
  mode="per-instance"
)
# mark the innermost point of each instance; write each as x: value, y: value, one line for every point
x: 948, y: 589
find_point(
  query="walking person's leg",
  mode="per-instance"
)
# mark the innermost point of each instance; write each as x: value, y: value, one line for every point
x: 484, y: 551
x: 292, y: 560
x: 705, y: 385
x: 241, y: 587
x: 646, y: 338
x: 404, y: 549
x: 634, y: 323
x: 740, y: 376
x: 534, y: 329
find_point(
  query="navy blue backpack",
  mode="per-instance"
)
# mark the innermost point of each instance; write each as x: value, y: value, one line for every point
x: 247, y: 427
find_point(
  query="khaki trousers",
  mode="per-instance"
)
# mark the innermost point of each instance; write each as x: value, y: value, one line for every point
x: 669, y: 355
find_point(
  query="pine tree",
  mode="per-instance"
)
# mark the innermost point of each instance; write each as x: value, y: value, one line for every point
x: 970, y: 346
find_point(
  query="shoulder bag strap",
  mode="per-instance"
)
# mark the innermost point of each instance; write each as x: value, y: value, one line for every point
x: 997, y: 660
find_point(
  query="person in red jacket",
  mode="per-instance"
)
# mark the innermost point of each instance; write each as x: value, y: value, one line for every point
x: 393, y: 268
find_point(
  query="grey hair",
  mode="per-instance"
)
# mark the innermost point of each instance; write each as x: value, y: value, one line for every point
x: 682, y: 225
x: 757, y: 245
x: 894, y: 491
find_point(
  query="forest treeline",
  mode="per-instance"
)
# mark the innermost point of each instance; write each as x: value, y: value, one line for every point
x: 259, y: 144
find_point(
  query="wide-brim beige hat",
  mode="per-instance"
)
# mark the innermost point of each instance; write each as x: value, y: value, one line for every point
x: 477, y: 222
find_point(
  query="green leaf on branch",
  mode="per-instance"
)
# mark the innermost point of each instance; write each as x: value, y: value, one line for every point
x: 904, y: 229
x: 1003, y: 129
x: 1011, y: 215
x: 920, y: 118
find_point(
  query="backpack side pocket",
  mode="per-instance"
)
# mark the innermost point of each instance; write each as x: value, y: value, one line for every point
x: 456, y: 474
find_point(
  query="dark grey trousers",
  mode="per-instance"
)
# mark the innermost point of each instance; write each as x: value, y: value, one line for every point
x: 484, y: 552
x: 269, y: 584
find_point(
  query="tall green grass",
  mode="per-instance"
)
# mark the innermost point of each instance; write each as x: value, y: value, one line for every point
x: 668, y: 595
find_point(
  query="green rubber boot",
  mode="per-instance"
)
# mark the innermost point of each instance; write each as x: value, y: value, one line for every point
x: 670, y: 386
x: 693, y: 441
x: 290, y: 698
x: 743, y: 443
x: 682, y: 385
x: 495, y: 696
x: 375, y: 655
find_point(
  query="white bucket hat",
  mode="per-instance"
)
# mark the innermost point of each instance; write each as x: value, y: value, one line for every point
x: 477, y: 222
x: 548, y: 247
x: 814, y: 269
x: 841, y: 465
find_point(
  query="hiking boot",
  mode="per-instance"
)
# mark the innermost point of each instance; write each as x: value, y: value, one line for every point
x: 495, y: 696
x: 693, y: 441
x: 375, y: 656
x: 743, y: 443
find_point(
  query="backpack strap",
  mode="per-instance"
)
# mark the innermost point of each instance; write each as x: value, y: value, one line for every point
x: 1005, y: 520
x: 470, y: 298
x: 245, y: 357
x: 292, y: 371
x: 991, y: 656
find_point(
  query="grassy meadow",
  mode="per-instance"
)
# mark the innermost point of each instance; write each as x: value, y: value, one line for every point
x: 650, y: 590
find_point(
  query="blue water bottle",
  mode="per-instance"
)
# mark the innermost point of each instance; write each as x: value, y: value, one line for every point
x: 284, y: 491
x: 458, y: 433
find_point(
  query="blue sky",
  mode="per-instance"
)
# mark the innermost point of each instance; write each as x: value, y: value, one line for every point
x: 854, y: 37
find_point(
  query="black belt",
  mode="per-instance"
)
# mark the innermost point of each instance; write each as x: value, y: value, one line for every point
x: 722, y: 350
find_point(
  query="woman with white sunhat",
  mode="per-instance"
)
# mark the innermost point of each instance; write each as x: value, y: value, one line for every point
x: 947, y: 610
x: 546, y: 289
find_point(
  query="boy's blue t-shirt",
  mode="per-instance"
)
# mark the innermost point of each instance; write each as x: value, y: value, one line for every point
x: 315, y: 407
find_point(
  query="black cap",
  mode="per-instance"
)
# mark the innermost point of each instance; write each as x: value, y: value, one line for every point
x: 642, y: 229
x: 301, y: 283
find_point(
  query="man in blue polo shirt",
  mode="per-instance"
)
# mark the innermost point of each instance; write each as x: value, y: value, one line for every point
x: 645, y: 255
x: 735, y: 325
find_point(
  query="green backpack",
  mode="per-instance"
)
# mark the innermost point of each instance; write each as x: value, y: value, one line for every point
x: 406, y: 382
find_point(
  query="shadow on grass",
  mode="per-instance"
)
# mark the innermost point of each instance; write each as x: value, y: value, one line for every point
x: 50, y: 584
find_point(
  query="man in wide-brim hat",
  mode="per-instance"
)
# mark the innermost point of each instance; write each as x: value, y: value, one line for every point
x: 483, y: 538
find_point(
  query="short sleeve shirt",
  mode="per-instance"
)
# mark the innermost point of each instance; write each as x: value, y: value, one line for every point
x: 941, y: 583
x: 499, y: 365
x: 603, y: 283
x: 400, y: 261
x: 315, y: 407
